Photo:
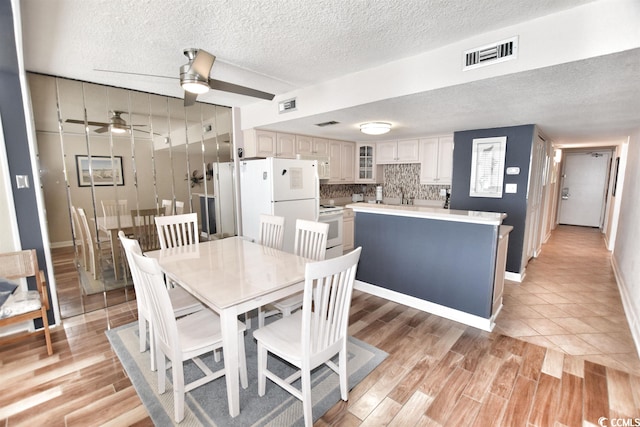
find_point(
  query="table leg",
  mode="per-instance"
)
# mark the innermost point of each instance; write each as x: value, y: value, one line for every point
x: 229, y: 326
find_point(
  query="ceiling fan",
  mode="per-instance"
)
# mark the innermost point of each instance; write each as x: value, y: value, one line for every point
x: 194, y: 78
x: 116, y: 124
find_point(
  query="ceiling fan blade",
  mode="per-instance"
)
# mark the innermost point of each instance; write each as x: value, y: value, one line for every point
x: 103, y: 129
x: 134, y: 74
x: 202, y: 63
x: 189, y: 98
x: 242, y: 90
x: 81, y: 122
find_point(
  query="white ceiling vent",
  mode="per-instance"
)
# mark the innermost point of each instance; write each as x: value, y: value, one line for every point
x: 286, y: 106
x: 493, y: 53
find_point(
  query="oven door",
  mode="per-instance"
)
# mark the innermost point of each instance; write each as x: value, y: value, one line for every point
x: 334, y: 219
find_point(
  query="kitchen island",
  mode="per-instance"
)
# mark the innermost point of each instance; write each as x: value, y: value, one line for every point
x: 447, y: 262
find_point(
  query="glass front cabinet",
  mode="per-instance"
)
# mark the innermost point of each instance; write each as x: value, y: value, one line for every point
x: 366, y: 169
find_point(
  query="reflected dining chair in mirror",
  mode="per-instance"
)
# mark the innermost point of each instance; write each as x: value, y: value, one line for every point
x: 114, y: 208
x: 314, y: 335
x: 22, y: 306
x: 311, y: 243
x: 177, y: 230
x: 182, y: 339
x: 183, y: 302
x: 167, y: 206
x: 99, y: 250
x: 144, y: 228
x: 78, y: 238
x: 179, y: 207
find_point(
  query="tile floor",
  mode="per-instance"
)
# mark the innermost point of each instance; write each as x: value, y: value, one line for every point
x: 569, y: 301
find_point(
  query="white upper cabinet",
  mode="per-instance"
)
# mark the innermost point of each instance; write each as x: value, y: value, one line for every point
x: 342, y: 162
x: 259, y: 143
x: 436, y: 159
x: 312, y: 146
x: 285, y: 145
x: 366, y: 168
x: 403, y: 151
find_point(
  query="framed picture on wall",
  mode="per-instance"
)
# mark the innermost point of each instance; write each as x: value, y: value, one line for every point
x: 106, y: 170
x: 487, y: 167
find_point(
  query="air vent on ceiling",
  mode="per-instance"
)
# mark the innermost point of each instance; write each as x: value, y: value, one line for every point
x: 329, y: 123
x: 286, y: 106
x: 493, y: 53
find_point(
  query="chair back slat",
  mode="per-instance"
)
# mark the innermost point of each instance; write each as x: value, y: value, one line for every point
x: 327, y: 298
x: 144, y: 228
x: 179, y: 207
x: 114, y: 208
x: 311, y: 239
x: 271, y: 231
x: 177, y: 230
x: 167, y: 205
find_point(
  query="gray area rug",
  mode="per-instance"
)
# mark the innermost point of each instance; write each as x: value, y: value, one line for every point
x: 107, y: 282
x: 207, y: 405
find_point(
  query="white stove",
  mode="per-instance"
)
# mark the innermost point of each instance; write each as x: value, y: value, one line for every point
x: 328, y: 209
x: 332, y: 215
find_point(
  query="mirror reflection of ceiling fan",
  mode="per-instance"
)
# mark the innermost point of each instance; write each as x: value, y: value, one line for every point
x: 116, y: 124
x: 195, y: 80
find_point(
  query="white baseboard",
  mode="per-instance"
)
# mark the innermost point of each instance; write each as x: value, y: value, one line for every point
x: 426, y: 306
x: 630, y: 311
x: 515, y: 277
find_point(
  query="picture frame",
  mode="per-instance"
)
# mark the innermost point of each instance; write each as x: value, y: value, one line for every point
x: 487, y: 167
x: 102, y: 168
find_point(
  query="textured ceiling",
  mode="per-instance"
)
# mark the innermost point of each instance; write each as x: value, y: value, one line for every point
x: 281, y: 45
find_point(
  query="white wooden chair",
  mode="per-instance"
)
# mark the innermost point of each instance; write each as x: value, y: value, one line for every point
x: 78, y: 238
x: 28, y: 305
x: 167, y: 206
x: 144, y: 228
x: 179, y: 207
x: 313, y: 335
x: 97, y: 249
x: 177, y: 230
x: 310, y: 242
x: 182, y: 339
x: 114, y: 208
x: 183, y: 302
x: 271, y: 231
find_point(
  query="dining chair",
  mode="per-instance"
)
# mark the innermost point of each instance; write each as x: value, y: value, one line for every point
x: 271, y: 231
x: 177, y: 230
x: 24, y: 306
x: 78, y: 237
x: 167, y: 206
x: 179, y: 207
x: 182, y: 339
x: 98, y: 249
x: 144, y: 228
x: 114, y: 207
x: 311, y: 243
x: 182, y: 302
x: 314, y: 335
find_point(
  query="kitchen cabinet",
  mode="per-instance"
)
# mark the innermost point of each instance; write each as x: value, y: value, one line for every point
x: 366, y: 168
x: 342, y: 159
x: 402, y: 151
x: 348, y: 229
x: 264, y: 143
x: 312, y: 146
x: 436, y: 159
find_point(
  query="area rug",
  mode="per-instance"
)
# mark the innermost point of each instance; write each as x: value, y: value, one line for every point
x: 207, y: 405
x: 92, y: 286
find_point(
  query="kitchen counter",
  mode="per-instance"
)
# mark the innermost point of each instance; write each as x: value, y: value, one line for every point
x: 488, y: 218
x: 447, y: 262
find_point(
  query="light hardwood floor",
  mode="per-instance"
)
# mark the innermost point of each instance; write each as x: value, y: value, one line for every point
x: 438, y: 372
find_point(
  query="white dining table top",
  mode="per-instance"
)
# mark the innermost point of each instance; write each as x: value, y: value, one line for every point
x: 230, y: 271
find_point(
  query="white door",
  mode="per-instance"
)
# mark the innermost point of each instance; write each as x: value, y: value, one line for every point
x: 583, y: 189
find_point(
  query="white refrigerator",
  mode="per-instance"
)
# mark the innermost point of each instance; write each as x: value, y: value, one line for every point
x: 283, y: 187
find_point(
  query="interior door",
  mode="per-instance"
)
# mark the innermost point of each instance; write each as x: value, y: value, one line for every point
x: 583, y: 190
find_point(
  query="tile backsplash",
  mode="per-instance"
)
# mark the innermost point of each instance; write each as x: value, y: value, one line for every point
x: 399, y: 180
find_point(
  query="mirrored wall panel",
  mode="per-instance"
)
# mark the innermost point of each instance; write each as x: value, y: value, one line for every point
x: 111, y: 160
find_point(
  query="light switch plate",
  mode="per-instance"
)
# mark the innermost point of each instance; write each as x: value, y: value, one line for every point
x: 22, y: 181
x: 511, y: 188
x: 513, y: 170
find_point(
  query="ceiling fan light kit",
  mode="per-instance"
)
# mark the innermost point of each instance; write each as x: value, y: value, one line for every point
x: 375, y: 128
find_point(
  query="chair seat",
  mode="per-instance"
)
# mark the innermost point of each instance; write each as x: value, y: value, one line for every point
x: 183, y: 302
x: 20, y: 303
x: 190, y: 330
x: 291, y: 303
x: 283, y: 337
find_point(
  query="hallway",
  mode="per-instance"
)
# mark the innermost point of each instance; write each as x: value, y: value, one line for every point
x: 570, y: 302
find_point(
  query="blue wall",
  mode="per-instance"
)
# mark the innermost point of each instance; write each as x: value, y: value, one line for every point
x: 17, y: 145
x: 519, y: 142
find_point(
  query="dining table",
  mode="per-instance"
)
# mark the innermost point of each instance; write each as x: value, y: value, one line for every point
x: 232, y: 276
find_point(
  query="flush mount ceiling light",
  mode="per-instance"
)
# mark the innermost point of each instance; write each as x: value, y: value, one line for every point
x: 375, y: 128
